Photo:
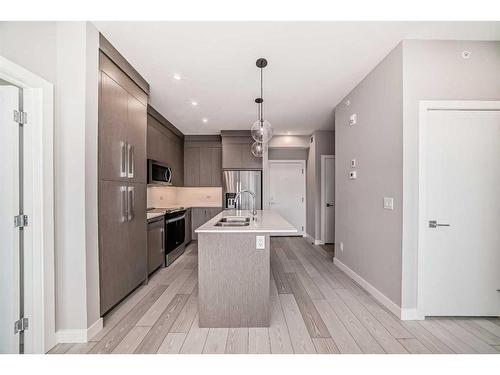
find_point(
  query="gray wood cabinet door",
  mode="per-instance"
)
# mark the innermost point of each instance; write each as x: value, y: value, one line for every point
x: 192, y: 166
x: 205, y: 166
x: 178, y: 164
x: 248, y: 160
x: 137, y: 139
x: 189, y: 227
x: 211, y: 212
x: 113, y: 109
x: 198, y: 218
x: 113, y: 243
x: 156, y: 245
x: 136, y: 260
x: 216, y: 166
x: 231, y: 156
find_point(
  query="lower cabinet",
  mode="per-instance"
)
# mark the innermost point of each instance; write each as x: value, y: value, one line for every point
x: 156, y: 243
x: 200, y: 215
x: 188, y: 234
x: 122, y: 240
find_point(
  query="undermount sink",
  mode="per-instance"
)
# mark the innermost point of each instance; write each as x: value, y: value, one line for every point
x: 233, y: 221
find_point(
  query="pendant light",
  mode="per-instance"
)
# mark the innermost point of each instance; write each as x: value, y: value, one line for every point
x: 261, y: 130
x: 257, y: 149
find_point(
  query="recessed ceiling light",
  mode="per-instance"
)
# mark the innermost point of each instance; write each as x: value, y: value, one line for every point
x: 194, y: 104
x: 177, y: 77
x: 205, y: 120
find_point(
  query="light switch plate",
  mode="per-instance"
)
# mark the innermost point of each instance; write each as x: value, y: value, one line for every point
x: 353, y: 163
x: 260, y: 242
x: 353, y: 175
x: 388, y: 203
x: 353, y: 119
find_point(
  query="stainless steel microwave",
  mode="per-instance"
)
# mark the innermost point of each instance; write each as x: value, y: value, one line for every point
x: 159, y: 173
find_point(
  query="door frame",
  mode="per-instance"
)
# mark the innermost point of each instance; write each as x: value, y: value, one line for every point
x: 303, y: 164
x: 323, y: 197
x: 424, y: 107
x: 38, y: 97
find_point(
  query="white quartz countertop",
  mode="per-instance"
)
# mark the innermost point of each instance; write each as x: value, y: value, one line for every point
x: 152, y: 215
x: 266, y: 222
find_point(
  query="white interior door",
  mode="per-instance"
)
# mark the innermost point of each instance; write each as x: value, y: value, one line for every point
x: 9, y: 207
x: 328, y: 198
x: 287, y: 191
x: 461, y: 259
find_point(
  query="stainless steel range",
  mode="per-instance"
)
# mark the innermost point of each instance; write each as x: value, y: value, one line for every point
x: 175, y: 231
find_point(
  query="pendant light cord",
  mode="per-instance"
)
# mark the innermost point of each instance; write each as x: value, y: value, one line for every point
x: 262, y: 97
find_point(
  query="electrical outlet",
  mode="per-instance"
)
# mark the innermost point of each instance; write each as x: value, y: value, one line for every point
x: 342, y: 246
x: 353, y: 163
x: 260, y: 242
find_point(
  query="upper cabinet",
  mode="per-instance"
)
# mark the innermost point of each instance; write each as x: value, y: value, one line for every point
x: 203, y: 161
x: 236, y: 151
x: 122, y: 126
x: 166, y: 144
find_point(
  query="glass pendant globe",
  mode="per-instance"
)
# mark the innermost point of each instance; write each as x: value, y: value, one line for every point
x: 262, y: 131
x: 257, y: 149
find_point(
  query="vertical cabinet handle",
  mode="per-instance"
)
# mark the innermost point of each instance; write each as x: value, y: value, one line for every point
x: 162, y: 240
x: 131, y: 203
x: 123, y: 159
x: 130, y: 152
x: 123, y: 192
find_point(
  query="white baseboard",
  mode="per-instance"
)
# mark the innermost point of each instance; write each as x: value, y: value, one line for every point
x: 410, y: 314
x: 309, y: 237
x: 377, y: 294
x: 71, y: 336
x: 95, y: 328
x: 78, y: 335
x: 312, y: 239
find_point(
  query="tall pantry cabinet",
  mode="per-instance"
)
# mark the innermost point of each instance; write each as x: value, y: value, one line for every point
x: 123, y: 100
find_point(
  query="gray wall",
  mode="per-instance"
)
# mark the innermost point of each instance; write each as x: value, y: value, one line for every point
x: 435, y: 70
x: 370, y: 234
x: 381, y: 245
x: 65, y: 54
x: 288, y: 154
x: 323, y: 143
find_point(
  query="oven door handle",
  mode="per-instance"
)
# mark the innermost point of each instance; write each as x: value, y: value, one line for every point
x: 176, y: 219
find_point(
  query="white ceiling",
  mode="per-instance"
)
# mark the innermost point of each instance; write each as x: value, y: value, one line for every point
x: 312, y: 66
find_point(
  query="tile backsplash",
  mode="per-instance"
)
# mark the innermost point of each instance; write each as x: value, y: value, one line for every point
x: 184, y: 196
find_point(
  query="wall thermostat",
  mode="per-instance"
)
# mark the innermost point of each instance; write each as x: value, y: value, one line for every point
x: 353, y: 175
x: 353, y: 119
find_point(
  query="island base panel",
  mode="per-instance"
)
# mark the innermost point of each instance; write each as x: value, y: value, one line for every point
x: 233, y: 280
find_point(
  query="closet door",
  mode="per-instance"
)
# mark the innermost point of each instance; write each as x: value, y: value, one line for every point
x: 113, y: 110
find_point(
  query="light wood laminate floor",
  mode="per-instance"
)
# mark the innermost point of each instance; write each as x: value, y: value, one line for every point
x: 315, y: 308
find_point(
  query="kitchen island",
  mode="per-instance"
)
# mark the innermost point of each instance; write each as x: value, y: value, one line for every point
x: 234, y: 267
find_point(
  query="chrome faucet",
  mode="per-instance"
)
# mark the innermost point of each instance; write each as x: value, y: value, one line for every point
x: 254, y: 211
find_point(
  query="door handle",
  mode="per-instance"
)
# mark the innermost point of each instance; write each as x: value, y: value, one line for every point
x: 435, y: 224
x: 130, y: 155
x: 131, y: 203
x: 123, y: 160
x: 123, y: 192
x: 329, y: 205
